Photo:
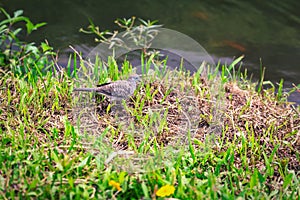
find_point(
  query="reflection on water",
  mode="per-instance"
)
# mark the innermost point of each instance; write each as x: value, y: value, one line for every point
x: 256, y: 29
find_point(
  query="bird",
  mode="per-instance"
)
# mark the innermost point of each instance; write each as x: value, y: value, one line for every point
x: 117, y: 90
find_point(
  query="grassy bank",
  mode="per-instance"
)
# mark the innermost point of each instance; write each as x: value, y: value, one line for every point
x: 59, y: 144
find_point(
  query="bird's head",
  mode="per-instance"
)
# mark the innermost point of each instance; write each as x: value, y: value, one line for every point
x: 134, y: 78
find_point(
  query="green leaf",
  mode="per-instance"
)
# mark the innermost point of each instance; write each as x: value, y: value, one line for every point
x: 18, y: 13
x: 287, y: 180
x: 191, y: 147
x: 261, y: 178
x: 4, y: 12
x: 39, y: 25
x: 3, y: 28
x: 145, y: 190
x: 33, y: 183
x: 84, y: 162
x: 46, y: 47
x: 30, y: 48
x: 236, y: 61
x: 57, y: 161
x: 2, y: 182
x: 29, y: 26
x: 122, y: 176
x: 254, y: 179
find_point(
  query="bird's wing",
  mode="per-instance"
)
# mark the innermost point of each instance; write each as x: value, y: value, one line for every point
x: 106, y: 88
x: 103, y: 84
x: 117, y: 89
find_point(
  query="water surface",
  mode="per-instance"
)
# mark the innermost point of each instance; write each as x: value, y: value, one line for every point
x: 265, y: 32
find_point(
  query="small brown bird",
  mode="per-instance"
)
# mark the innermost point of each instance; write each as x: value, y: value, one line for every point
x: 117, y: 90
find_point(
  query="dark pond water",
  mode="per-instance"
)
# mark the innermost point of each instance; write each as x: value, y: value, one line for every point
x: 264, y: 30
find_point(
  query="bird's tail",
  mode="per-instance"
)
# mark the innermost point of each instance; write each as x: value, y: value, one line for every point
x: 85, y: 89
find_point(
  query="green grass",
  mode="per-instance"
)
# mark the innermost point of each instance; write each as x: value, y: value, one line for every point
x: 57, y: 144
x: 43, y: 155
